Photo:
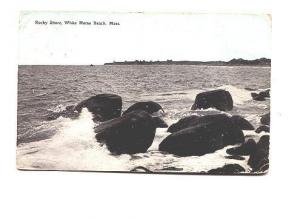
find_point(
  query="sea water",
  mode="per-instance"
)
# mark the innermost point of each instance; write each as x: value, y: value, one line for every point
x: 70, y: 144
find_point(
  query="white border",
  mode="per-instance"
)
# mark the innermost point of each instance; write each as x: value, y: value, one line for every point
x: 103, y: 195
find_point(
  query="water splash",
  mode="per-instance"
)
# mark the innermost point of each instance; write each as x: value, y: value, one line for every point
x: 74, y: 147
x: 239, y: 96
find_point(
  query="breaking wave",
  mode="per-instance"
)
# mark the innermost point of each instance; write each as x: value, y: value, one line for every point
x: 73, y: 146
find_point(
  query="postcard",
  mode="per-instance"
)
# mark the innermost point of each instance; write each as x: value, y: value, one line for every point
x: 181, y: 93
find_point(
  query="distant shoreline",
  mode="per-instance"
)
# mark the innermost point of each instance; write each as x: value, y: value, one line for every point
x: 262, y: 62
x: 233, y: 62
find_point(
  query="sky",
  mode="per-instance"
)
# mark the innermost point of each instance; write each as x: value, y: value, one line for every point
x: 141, y: 36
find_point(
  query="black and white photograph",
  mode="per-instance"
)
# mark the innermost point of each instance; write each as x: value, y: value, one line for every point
x: 179, y: 93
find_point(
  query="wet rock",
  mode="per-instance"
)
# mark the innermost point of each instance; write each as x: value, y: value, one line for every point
x: 245, y: 149
x: 261, y: 96
x: 263, y: 128
x: 265, y: 93
x: 103, y: 106
x: 242, y: 123
x: 257, y: 97
x: 131, y: 133
x: 259, y: 158
x: 195, y: 120
x: 149, y: 107
x: 202, y: 139
x: 227, y: 169
x: 219, y: 99
x: 265, y: 119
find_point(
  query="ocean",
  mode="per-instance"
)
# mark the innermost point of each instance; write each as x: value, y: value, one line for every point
x: 70, y: 144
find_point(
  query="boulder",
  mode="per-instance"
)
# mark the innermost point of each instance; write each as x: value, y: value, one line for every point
x: 242, y: 123
x: 259, y: 158
x: 227, y: 169
x: 194, y: 120
x: 257, y: 97
x: 219, y: 99
x: 245, y: 149
x: 261, y: 96
x: 149, y: 107
x: 131, y: 133
x: 265, y: 93
x: 202, y: 139
x: 102, y: 106
x: 263, y: 128
x: 265, y: 119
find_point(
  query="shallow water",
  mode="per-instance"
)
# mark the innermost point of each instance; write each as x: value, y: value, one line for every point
x: 66, y: 144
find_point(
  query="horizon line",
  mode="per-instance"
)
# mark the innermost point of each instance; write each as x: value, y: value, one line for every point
x: 152, y: 61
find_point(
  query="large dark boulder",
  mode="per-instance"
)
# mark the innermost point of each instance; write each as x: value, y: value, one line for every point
x: 103, y: 106
x: 246, y: 148
x: 194, y: 120
x: 149, y: 107
x: 259, y: 158
x: 219, y: 99
x: 242, y: 123
x: 227, y: 169
x: 185, y: 122
x: 265, y: 119
x: 131, y: 133
x: 203, y: 138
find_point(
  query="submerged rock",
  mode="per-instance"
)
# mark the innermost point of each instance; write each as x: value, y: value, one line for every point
x: 149, y: 107
x: 219, y: 99
x: 202, y: 139
x: 69, y: 112
x: 227, y: 169
x: 131, y: 133
x: 261, y: 96
x: 102, y: 106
